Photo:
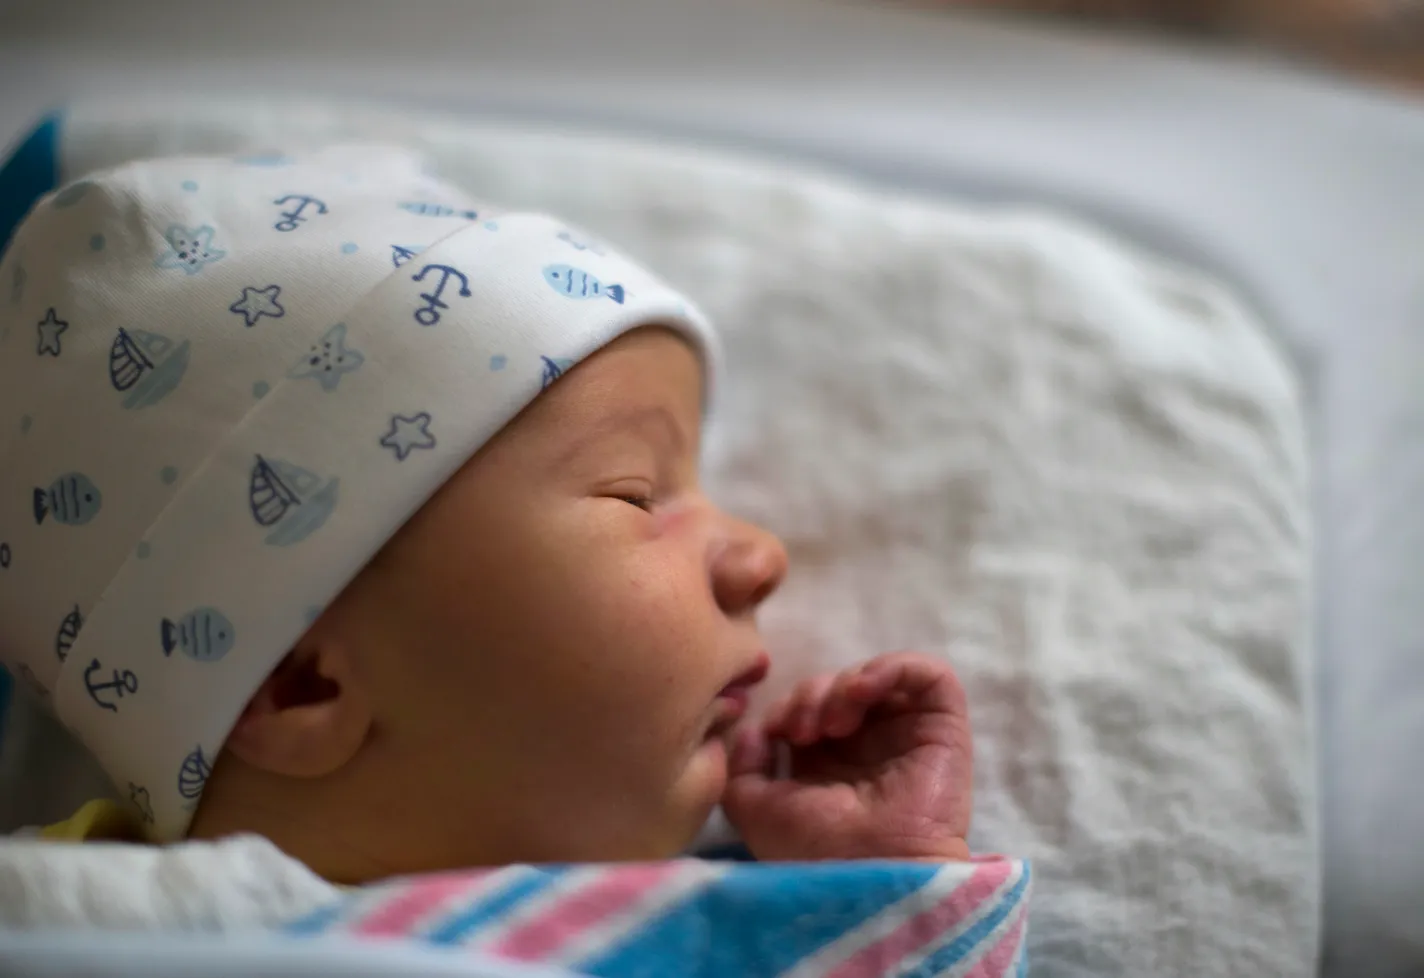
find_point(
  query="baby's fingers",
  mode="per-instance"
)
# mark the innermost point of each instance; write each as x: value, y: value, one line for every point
x: 801, y: 723
x: 912, y: 681
x: 850, y: 696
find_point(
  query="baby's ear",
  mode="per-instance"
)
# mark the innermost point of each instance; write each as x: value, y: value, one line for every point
x: 309, y: 717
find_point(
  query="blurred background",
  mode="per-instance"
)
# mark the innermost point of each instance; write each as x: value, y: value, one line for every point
x: 1379, y: 39
x: 1277, y: 144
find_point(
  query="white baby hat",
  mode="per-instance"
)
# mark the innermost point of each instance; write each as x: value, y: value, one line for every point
x: 224, y: 384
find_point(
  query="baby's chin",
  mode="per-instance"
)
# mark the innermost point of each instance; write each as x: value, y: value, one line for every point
x: 703, y: 781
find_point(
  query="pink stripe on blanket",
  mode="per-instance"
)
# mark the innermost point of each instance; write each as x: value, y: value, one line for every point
x: 576, y: 912
x: 1000, y: 959
x: 926, y: 926
x: 398, y: 914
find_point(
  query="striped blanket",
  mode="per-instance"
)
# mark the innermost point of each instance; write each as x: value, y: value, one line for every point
x: 705, y: 919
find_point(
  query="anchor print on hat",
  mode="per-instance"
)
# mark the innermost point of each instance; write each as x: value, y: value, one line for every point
x: 108, y: 692
x: 429, y: 314
x: 146, y: 366
x: 300, y: 208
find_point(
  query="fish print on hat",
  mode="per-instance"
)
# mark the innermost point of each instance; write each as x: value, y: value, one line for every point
x: 146, y: 366
x: 438, y: 210
x: 203, y: 635
x: 578, y: 284
x: 72, y: 500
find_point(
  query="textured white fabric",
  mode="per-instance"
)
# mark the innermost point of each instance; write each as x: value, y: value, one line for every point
x: 227, y: 383
x: 239, y: 884
x: 1003, y: 437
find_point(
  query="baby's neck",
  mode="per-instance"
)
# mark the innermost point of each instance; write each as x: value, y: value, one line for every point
x: 316, y: 827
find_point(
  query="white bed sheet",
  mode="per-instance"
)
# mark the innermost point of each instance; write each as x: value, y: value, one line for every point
x: 1303, y: 193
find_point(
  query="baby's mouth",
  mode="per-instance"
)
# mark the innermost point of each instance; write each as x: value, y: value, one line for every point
x: 732, y: 701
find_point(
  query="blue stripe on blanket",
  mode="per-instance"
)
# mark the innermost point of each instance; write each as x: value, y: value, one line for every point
x: 953, y: 952
x: 765, y: 918
x: 493, y: 906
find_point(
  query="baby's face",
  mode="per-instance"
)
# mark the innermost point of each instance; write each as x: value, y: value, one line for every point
x: 557, y: 640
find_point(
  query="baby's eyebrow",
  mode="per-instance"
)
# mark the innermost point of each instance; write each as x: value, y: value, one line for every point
x: 658, y: 421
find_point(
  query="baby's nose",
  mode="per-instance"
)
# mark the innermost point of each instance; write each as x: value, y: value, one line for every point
x: 748, y: 566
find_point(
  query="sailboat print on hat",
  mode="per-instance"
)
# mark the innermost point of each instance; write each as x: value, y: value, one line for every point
x: 147, y: 366
x: 68, y: 633
x: 193, y: 775
x: 294, y: 502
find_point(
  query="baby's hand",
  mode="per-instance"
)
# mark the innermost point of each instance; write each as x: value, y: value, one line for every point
x: 881, y: 767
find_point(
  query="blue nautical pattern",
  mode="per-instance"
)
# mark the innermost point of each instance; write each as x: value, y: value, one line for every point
x: 300, y: 207
x: 429, y: 314
x: 578, y: 284
x: 108, y: 691
x: 328, y: 360
x: 72, y: 500
x: 203, y: 635
x: 438, y: 210
x: 146, y: 366
x: 553, y: 370
x: 68, y: 632
x: 193, y: 775
x: 50, y: 330
x: 293, y: 502
x: 139, y: 799
x: 400, y: 254
x: 581, y: 244
x: 254, y: 303
x: 408, y: 434
x: 189, y: 249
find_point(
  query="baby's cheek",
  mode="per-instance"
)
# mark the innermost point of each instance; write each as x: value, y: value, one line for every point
x: 674, y: 518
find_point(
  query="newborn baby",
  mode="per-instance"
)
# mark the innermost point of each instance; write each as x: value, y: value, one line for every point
x: 343, y: 511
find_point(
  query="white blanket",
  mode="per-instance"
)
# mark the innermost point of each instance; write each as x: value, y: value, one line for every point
x: 1076, y: 472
